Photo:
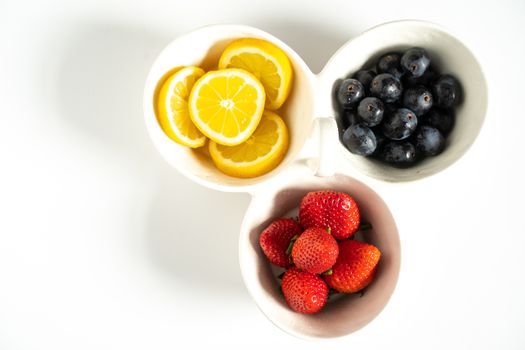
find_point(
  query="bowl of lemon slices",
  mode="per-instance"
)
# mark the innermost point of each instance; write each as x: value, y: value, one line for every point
x: 222, y: 105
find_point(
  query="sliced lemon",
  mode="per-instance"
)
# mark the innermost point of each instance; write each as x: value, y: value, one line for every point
x: 267, y: 62
x: 261, y: 153
x: 227, y: 105
x: 172, y: 107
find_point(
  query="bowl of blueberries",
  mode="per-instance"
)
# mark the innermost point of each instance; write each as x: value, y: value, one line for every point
x: 410, y: 107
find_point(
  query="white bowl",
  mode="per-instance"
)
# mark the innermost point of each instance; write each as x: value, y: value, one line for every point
x: 349, y: 312
x: 203, y: 47
x: 311, y: 161
x: 448, y: 54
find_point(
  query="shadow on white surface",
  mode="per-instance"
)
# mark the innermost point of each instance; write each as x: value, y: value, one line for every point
x: 101, y: 82
x: 192, y: 235
x: 314, y: 43
x: 191, y: 232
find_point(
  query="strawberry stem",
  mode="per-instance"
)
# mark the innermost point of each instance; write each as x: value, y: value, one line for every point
x: 292, y: 241
x: 365, y: 226
x: 329, y: 230
x: 328, y: 272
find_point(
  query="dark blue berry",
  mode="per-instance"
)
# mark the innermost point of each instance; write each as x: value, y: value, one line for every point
x: 399, y: 154
x: 429, y: 141
x: 418, y: 99
x: 386, y: 87
x: 365, y: 76
x: 443, y: 120
x: 400, y: 124
x: 370, y: 111
x: 447, y: 91
x: 359, y: 139
x: 390, y: 63
x: 350, y: 92
x: 415, y: 61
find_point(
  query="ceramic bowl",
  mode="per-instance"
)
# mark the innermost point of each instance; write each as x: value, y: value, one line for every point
x: 313, y: 160
x: 203, y: 47
x: 346, y: 313
x: 449, y: 54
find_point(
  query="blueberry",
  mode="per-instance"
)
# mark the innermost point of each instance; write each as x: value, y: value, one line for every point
x: 418, y: 99
x: 386, y: 87
x: 370, y: 111
x: 359, y: 139
x: 443, y: 120
x: 447, y: 91
x: 390, y: 63
x: 399, y: 154
x: 429, y: 141
x: 365, y: 76
x: 415, y: 61
x: 349, y: 117
x: 400, y: 124
x: 350, y: 92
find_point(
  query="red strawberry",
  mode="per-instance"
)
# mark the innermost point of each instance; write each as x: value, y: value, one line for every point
x: 304, y: 292
x: 355, y: 266
x: 315, y: 250
x: 330, y: 209
x: 274, y: 240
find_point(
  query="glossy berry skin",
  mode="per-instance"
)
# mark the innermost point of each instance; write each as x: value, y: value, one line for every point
x: 386, y: 87
x: 443, y: 120
x: 355, y: 267
x: 350, y: 92
x: 365, y: 76
x: 390, y: 63
x: 415, y: 61
x: 303, y: 291
x: 429, y: 140
x: 275, y: 238
x: 315, y: 250
x: 370, y: 111
x: 400, y: 154
x: 447, y: 91
x: 418, y: 99
x: 400, y: 124
x: 359, y: 139
x: 330, y: 209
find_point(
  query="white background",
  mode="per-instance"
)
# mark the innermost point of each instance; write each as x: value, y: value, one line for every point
x: 104, y: 246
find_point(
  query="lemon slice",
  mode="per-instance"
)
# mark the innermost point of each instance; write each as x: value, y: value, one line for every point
x: 264, y: 60
x: 261, y: 153
x: 172, y: 107
x: 227, y: 105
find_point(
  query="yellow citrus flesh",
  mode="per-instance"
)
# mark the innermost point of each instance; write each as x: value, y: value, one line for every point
x: 172, y: 107
x: 261, y: 153
x: 226, y: 105
x: 267, y: 62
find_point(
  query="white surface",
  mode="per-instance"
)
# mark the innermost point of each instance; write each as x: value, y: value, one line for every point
x: 103, y: 245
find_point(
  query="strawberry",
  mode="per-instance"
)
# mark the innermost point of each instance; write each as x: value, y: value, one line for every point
x: 304, y: 292
x: 355, y: 266
x: 275, y: 238
x: 315, y: 250
x: 330, y: 209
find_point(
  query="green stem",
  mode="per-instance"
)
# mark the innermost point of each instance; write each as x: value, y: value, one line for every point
x: 292, y: 241
x: 365, y: 226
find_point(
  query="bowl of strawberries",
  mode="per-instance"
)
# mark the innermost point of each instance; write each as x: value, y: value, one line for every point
x: 319, y: 255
